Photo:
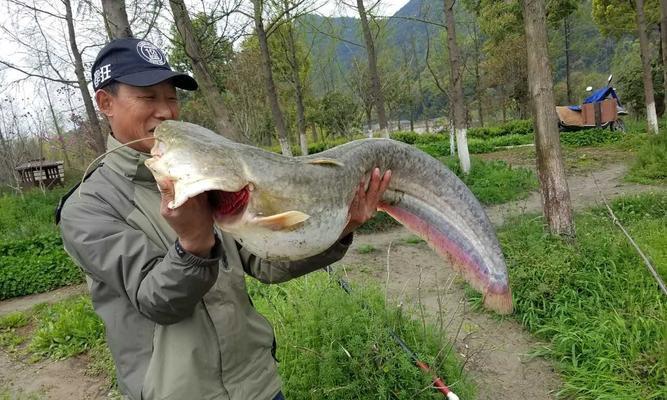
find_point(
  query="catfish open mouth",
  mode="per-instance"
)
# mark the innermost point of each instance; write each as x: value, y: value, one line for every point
x: 228, y: 205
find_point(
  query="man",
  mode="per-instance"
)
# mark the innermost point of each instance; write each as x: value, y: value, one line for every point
x: 168, y: 286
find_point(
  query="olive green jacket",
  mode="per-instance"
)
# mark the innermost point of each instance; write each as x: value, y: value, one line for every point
x: 179, y: 327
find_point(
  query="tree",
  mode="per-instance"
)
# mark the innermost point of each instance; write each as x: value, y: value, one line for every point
x: 98, y: 136
x: 202, y: 72
x: 376, y: 85
x: 115, y: 19
x: 456, y: 85
x: 555, y: 193
x: 271, y: 92
x: 651, y: 116
x: 663, y: 42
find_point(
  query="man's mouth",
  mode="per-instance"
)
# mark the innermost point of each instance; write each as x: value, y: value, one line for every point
x: 228, y: 205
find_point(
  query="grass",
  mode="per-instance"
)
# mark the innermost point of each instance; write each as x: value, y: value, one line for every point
x: 651, y: 164
x: 595, y: 303
x: 31, y: 214
x: 317, y: 325
x: 337, y: 346
x: 413, y: 239
x: 365, y: 248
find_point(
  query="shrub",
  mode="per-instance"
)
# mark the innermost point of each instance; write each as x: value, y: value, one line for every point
x: 651, y: 164
x: 35, y: 265
x: 28, y: 215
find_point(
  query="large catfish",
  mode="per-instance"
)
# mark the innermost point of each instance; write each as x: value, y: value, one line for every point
x: 290, y: 208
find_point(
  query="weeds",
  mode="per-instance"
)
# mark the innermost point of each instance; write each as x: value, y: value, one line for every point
x: 412, y: 239
x: 595, y: 303
x: 331, y: 346
x: 651, y: 164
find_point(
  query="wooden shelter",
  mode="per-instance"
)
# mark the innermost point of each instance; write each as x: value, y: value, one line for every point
x: 41, y: 172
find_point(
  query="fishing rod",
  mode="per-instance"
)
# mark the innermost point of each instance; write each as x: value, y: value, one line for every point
x: 438, y: 383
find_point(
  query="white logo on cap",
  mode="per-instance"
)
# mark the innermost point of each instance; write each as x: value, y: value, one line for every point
x: 149, y: 52
x: 102, y: 74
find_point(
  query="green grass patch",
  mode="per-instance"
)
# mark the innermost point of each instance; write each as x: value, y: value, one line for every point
x: 28, y: 215
x: 379, y: 223
x: 595, y: 303
x: 495, y: 182
x: 365, y: 248
x: 330, y: 346
x: 413, y: 239
x: 590, y: 137
x: 651, y: 164
x: 66, y: 329
x: 35, y: 265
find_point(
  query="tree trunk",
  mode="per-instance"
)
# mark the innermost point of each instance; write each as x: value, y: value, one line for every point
x: 651, y: 116
x: 271, y: 92
x: 298, y: 89
x: 458, y: 101
x: 98, y: 138
x: 56, y: 125
x: 376, y: 86
x: 315, y: 135
x: 202, y: 73
x: 115, y: 19
x: 478, y: 85
x: 566, y: 34
x: 663, y: 41
x: 555, y: 193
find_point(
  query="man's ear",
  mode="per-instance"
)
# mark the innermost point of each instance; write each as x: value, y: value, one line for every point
x: 104, y: 101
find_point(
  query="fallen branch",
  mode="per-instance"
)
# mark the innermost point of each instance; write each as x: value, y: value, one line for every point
x: 647, y: 262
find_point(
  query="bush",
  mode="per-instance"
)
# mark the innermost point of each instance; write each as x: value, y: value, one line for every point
x: 337, y: 346
x: 651, y: 164
x: 590, y: 137
x: 35, y: 265
x: 594, y: 302
x: 417, y: 138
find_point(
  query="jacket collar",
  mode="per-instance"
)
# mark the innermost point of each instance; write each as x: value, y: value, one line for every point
x: 128, y: 162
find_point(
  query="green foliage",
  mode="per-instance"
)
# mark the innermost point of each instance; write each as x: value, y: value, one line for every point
x: 337, y: 346
x: 28, y: 215
x: 379, y: 223
x: 13, y: 320
x: 35, y: 265
x: 618, y: 17
x: 590, y: 137
x: 594, y: 302
x: 651, y: 164
x: 514, y: 127
x: 336, y: 112
x: 629, y: 77
x: 365, y: 248
x: 66, y: 329
x: 495, y: 182
x: 412, y: 239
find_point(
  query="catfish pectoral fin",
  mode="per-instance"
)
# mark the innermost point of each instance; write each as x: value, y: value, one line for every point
x: 283, y: 221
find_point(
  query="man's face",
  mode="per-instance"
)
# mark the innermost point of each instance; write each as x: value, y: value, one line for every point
x: 134, y: 112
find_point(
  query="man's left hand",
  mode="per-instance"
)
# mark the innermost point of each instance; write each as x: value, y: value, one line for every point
x: 366, y: 200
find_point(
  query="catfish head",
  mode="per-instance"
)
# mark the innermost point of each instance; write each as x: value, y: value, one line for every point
x: 197, y: 160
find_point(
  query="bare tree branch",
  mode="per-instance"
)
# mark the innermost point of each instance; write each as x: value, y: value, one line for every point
x: 31, y: 74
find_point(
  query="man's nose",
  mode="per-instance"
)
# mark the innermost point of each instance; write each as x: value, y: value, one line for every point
x: 165, y: 109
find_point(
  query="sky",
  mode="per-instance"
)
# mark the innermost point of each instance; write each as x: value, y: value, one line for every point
x: 388, y: 7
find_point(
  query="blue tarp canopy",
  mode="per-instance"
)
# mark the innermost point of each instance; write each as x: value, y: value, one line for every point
x: 597, y: 96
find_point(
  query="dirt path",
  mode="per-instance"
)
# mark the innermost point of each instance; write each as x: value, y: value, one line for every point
x: 58, y: 380
x: 27, y: 302
x: 495, y: 350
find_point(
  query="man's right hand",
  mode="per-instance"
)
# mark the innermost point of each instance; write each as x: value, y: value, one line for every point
x: 192, y: 221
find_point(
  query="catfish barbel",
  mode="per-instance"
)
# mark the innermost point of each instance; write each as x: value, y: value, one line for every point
x: 290, y: 208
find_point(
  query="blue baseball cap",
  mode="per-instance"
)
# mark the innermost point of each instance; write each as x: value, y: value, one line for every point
x: 136, y: 62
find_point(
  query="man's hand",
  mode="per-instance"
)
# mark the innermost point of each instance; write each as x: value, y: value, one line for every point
x: 365, y: 202
x: 192, y: 221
